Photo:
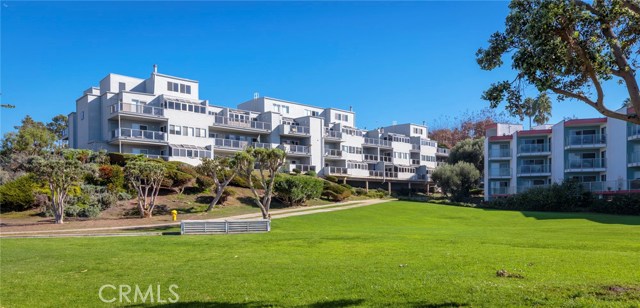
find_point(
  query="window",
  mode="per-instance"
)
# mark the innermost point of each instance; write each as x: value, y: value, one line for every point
x: 122, y: 86
x: 82, y: 115
x: 183, y: 88
x: 188, y: 89
x: 417, y: 131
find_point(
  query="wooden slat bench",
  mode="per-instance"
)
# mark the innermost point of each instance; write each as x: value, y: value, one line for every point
x: 224, y: 226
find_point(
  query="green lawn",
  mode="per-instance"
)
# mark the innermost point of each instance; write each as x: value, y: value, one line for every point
x: 392, y: 254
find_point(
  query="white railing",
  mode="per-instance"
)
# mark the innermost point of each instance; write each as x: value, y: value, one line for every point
x: 499, y: 153
x: 301, y: 130
x: 533, y: 148
x: 230, y: 144
x: 136, y: 108
x: 499, y: 172
x: 415, y: 147
x: 392, y: 175
x: 370, y: 157
x: 333, y: 134
x: 443, y: 151
x: 441, y: 163
x: 153, y: 156
x: 248, y: 124
x: 336, y: 170
x: 333, y: 152
x: 301, y: 167
x: 586, y: 163
x: 386, y: 158
x: 261, y: 145
x: 634, y: 158
x: 129, y: 133
x: 224, y: 226
x: 377, y: 141
x: 298, y: 149
x: 534, y: 169
x: 500, y: 190
x: 415, y: 161
x: 524, y: 188
x: 376, y: 173
x: 586, y: 140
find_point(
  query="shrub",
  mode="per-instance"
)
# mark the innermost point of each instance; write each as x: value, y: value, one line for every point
x: 178, y: 180
x: 204, y: 182
x: 618, y: 204
x: 565, y: 197
x: 311, y: 173
x: 296, y: 171
x: 378, y: 193
x: 123, y: 195
x: 360, y: 191
x: 295, y: 190
x: 111, y: 176
x: 456, y: 180
x: 335, y: 192
x: 226, y: 193
x: 17, y: 195
x: 331, y: 178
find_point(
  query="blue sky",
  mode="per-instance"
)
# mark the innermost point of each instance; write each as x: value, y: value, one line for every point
x: 404, y: 62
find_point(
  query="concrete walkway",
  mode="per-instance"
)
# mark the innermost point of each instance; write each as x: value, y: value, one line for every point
x: 275, y: 214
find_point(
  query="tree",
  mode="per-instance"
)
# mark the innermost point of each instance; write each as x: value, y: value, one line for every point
x: 268, y: 161
x: 146, y: 178
x: 219, y: 168
x: 456, y: 180
x: 60, y: 171
x: 470, y: 151
x: 58, y: 125
x: 568, y: 47
x: 449, y: 131
x: 296, y: 190
x: 537, y: 109
x: 31, y: 138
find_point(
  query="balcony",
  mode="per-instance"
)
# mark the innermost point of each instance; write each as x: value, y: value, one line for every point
x: 333, y: 153
x: 261, y: 145
x: 534, y: 170
x: 370, y: 157
x: 634, y: 159
x: 295, y: 130
x: 442, y: 152
x: 391, y: 175
x: 335, y: 171
x: 586, y: 141
x: 301, y: 167
x: 500, y: 172
x: 612, y: 187
x: 500, y: 191
x: 415, y: 148
x: 136, y: 111
x: 534, y: 149
x: 528, y: 187
x: 377, y: 142
x: 386, y: 159
x: 633, y: 132
x: 292, y: 149
x: 441, y: 163
x: 499, y: 154
x: 333, y: 135
x: 585, y: 164
x: 415, y: 161
x: 228, y: 144
x: 376, y: 173
x: 245, y: 125
x: 130, y: 135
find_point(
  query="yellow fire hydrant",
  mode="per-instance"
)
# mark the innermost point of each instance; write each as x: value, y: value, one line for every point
x: 174, y: 215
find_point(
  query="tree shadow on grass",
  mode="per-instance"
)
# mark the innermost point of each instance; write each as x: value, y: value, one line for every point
x: 595, y: 217
x: 321, y: 304
x: 438, y: 305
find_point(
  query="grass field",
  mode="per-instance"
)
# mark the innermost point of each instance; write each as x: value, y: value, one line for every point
x: 391, y: 254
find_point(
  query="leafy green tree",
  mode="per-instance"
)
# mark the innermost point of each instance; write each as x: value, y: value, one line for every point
x: 296, y: 190
x: 568, y: 47
x: 17, y: 195
x: 31, y: 138
x: 268, y: 163
x: 221, y: 170
x: 456, y: 181
x: 146, y: 178
x: 60, y: 172
x: 537, y: 109
x: 470, y: 151
x: 58, y: 125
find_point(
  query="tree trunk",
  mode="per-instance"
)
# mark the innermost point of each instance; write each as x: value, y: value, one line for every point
x: 213, y: 203
x: 147, y: 213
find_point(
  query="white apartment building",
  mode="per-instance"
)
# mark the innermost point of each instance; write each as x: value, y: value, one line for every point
x: 163, y: 116
x: 601, y: 153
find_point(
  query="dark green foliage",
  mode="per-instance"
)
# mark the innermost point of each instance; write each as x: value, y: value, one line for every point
x: 296, y: 190
x: 17, y: 195
x: 470, y: 151
x: 456, y: 180
x: 296, y: 171
x: 91, y: 201
x: 378, y: 193
x: 111, y: 176
x: 178, y: 179
x: 618, y: 204
x: 311, y: 173
x: 331, y: 178
x: 335, y: 192
x: 360, y: 191
x: 568, y: 196
x: 204, y: 182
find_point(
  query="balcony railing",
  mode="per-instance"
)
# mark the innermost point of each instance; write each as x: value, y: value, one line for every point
x: 500, y: 172
x: 533, y: 148
x: 295, y: 149
x: 500, y: 191
x: 138, y: 109
x: 377, y: 141
x: 230, y: 144
x: 336, y: 170
x: 415, y: 161
x: 499, y: 153
x: 393, y: 175
x: 534, y: 169
x: 301, y: 167
x: 586, y: 163
x: 370, y: 157
x: 443, y: 151
x: 441, y: 163
x: 261, y: 145
x: 299, y: 130
x: 333, y: 134
x: 129, y: 133
x: 586, y: 140
x: 333, y: 152
x: 376, y: 173
x: 385, y: 158
x: 524, y: 188
x: 415, y: 147
x: 248, y: 124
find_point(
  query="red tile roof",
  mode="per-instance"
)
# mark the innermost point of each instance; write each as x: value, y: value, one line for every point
x: 500, y: 138
x: 585, y: 121
x: 534, y: 132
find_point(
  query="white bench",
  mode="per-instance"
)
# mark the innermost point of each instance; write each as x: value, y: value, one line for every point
x: 224, y: 226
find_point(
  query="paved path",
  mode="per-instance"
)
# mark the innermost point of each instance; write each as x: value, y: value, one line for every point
x: 275, y: 214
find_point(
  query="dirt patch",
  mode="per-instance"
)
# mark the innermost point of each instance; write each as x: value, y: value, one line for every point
x: 505, y: 274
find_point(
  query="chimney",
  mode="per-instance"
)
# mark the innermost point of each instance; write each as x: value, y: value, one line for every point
x: 155, y: 68
x: 350, y: 108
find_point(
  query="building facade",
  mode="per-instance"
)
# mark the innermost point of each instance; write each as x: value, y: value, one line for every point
x: 163, y: 117
x: 601, y: 153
